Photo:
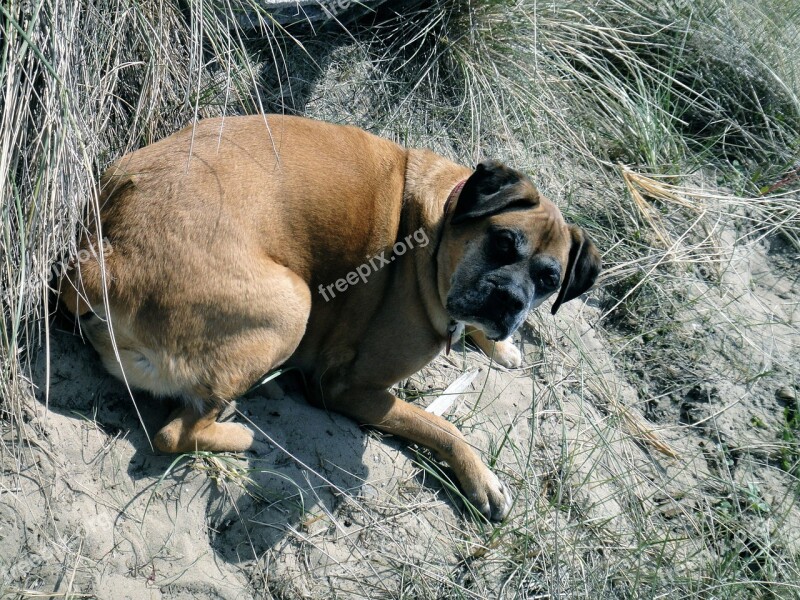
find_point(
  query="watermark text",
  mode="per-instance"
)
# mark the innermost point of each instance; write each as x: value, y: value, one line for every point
x: 373, y: 264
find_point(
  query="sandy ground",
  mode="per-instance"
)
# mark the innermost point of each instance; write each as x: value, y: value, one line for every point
x: 332, y: 510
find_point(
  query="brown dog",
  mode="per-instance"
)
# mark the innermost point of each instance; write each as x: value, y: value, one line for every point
x: 251, y: 242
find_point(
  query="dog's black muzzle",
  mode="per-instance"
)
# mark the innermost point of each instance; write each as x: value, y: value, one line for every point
x: 498, y: 305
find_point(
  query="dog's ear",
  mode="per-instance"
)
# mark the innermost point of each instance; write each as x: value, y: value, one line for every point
x: 583, y: 267
x: 491, y: 189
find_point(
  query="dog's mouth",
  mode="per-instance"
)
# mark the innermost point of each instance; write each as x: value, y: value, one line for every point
x: 500, y: 330
x: 495, y: 310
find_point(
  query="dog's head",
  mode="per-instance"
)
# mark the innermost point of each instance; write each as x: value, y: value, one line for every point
x: 506, y: 248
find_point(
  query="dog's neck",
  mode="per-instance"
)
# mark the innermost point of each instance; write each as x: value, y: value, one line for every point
x: 452, y: 198
x: 430, y: 193
x: 454, y: 328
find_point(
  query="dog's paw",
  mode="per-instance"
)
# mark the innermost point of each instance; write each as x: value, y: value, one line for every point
x: 259, y: 447
x: 492, y: 497
x: 507, y: 355
x: 231, y: 437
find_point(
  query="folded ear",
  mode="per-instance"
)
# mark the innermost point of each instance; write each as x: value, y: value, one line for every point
x: 491, y: 189
x: 583, y: 267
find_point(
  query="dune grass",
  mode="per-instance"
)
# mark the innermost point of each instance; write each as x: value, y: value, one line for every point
x: 670, y: 130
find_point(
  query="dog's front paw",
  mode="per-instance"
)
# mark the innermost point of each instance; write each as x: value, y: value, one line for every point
x: 506, y: 354
x: 503, y: 353
x: 491, y: 497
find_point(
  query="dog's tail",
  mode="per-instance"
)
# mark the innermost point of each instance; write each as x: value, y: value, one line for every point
x: 83, y: 281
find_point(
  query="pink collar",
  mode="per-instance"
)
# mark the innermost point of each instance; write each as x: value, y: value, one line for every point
x: 454, y: 193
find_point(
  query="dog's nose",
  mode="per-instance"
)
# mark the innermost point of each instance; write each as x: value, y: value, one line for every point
x: 510, y: 301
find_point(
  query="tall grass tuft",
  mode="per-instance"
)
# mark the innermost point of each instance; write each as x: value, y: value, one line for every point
x: 81, y: 85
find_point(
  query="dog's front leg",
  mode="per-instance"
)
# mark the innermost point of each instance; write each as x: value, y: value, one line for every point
x: 385, y: 412
x: 504, y: 352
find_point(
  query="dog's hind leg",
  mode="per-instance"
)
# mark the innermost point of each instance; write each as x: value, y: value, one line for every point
x: 189, y: 430
x: 266, y: 338
x: 236, y: 367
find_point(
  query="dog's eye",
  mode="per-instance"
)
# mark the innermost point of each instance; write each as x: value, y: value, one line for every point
x: 546, y: 274
x: 503, y: 247
x: 548, y: 280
